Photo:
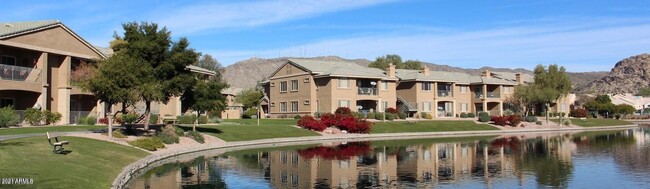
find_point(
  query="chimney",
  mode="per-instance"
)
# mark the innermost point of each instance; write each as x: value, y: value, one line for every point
x: 486, y: 73
x: 519, y: 79
x: 425, y: 70
x: 390, y: 71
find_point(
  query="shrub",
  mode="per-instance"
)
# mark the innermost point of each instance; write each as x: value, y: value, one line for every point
x: 483, y: 117
x: 90, y: 120
x: 424, y: 115
x: 402, y: 115
x: 203, y: 119
x: 318, y: 114
x: 248, y: 114
x: 358, y: 115
x: 328, y: 119
x: 103, y: 121
x: 514, y: 120
x: 153, y: 118
x: 354, y: 125
x: 539, y: 123
x: 579, y: 113
x: 508, y: 112
x: 471, y: 114
x: 390, y: 116
x: 296, y: 117
x: 428, y: 116
x: 562, y: 114
x: 118, y: 133
x: 499, y: 120
x: 129, y: 118
x: 51, y: 117
x: 371, y: 115
x: 33, y: 116
x: 531, y: 119
x: 391, y: 110
x: 178, y: 130
x: 186, y: 119
x: 567, y: 122
x: 309, y: 122
x: 196, y: 136
x: 463, y: 115
x: 379, y: 116
x: 8, y: 117
x: 342, y: 110
x: 361, y: 126
x: 168, y: 135
x: 417, y: 116
x: 148, y: 143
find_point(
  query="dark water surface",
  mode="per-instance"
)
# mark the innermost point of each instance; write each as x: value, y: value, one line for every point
x: 602, y: 159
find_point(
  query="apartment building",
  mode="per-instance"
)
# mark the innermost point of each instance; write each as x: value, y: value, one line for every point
x: 304, y: 87
x: 37, y: 60
x: 233, y: 109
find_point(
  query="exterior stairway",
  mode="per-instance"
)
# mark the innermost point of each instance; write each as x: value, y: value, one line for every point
x: 406, y: 106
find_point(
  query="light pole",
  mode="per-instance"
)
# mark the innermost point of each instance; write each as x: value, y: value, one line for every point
x: 379, y: 103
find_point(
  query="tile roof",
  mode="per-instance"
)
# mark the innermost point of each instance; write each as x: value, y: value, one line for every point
x: 512, y: 76
x: 338, y: 68
x: 8, y: 29
x: 197, y: 69
x: 232, y: 91
x: 444, y: 76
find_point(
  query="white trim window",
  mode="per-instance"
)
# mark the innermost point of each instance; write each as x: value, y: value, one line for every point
x: 426, y: 86
x: 283, y: 86
x: 384, y: 85
x: 464, y: 107
x: 464, y: 89
x: 507, y: 89
x: 294, y: 106
x: 426, y: 106
x: 283, y: 106
x: 344, y: 103
x: 384, y: 105
x: 294, y: 85
x: 343, y: 83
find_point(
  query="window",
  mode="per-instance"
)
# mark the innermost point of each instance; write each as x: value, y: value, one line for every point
x: 283, y: 177
x: 272, y: 104
x: 306, y: 80
x: 464, y: 89
x: 426, y: 86
x: 294, y: 85
x: 344, y: 83
x: 294, y: 106
x: 294, y: 158
x: 564, y: 107
x: 272, y: 84
x: 344, y: 103
x: 507, y: 89
x: 384, y: 85
x: 283, y: 106
x: 283, y: 157
x: 294, y: 180
x: 426, y: 106
x: 306, y: 102
x: 283, y: 86
x: 464, y: 107
x: 9, y: 60
x: 384, y: 105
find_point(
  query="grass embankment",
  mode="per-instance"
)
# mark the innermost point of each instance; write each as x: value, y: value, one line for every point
x: 429, y: 126
x: 247, y: 129
x: 43, y: 129
x: 595, y: 122
x: 90, y: 164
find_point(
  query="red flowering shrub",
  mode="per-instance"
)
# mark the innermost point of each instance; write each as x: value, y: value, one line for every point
x: 514, y: 120
x: 499, y: 120
x: 346, y: 122
x: 343, y: 111
x: 329, y: 119
x: 343, y: 151
x: 103, y: 121
x: 579, y: 113
x: 391, y: 110
x: 362, y: 126
x: 308, y: 122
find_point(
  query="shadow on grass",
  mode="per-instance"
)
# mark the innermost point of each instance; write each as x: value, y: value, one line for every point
x: 2, y: 144
x: 201, y: 129
x: 64, y: 152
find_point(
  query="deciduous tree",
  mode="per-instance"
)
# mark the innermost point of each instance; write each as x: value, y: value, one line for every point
x: 204, y: 97
x: 382, y: 62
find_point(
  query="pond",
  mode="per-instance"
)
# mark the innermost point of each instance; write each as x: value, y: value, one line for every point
x: 600, y: 159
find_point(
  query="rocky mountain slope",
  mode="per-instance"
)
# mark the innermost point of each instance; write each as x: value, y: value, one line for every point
x: 627, y: 76
x: 246, y: 73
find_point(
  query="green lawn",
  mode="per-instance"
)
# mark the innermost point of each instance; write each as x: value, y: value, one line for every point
x: 265, y: 122
x: 43, y: 129
x: 247, y: 132
x: 91, y: 163
x: 595, y: 122
x: 428, y: 126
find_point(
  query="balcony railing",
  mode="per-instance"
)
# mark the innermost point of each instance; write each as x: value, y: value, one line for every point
x: 367, y: 91
x: 19, y: 73
x: 478, y: 94
x: 493, y: 95
x: 444, y: 93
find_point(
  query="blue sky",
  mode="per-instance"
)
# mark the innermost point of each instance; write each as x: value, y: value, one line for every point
x: 582, y: 35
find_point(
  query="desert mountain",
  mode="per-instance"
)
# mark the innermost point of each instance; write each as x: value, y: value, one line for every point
x: 246, y: 73
x: 627, y: 76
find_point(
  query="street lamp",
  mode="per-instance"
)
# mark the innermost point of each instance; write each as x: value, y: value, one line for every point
x: 379, y: 103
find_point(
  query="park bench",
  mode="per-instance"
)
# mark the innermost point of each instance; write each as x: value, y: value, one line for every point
x: 56, y: 143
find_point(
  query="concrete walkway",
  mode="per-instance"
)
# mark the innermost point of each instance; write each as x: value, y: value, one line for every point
x: 7, y: 137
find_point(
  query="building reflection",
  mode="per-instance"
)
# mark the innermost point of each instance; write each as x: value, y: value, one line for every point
x: 545, y: 160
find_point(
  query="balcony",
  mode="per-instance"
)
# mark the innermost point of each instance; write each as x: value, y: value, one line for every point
x: 493, y: 95
x: 444, y: 93
x: 367, y: 91
x: 478, y: 94
x: 18, y: 73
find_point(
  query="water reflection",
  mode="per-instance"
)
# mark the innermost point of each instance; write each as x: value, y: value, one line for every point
x: 557, y: 161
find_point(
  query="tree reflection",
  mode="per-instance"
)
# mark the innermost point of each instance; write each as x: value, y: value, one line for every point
x: 542, y: 156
